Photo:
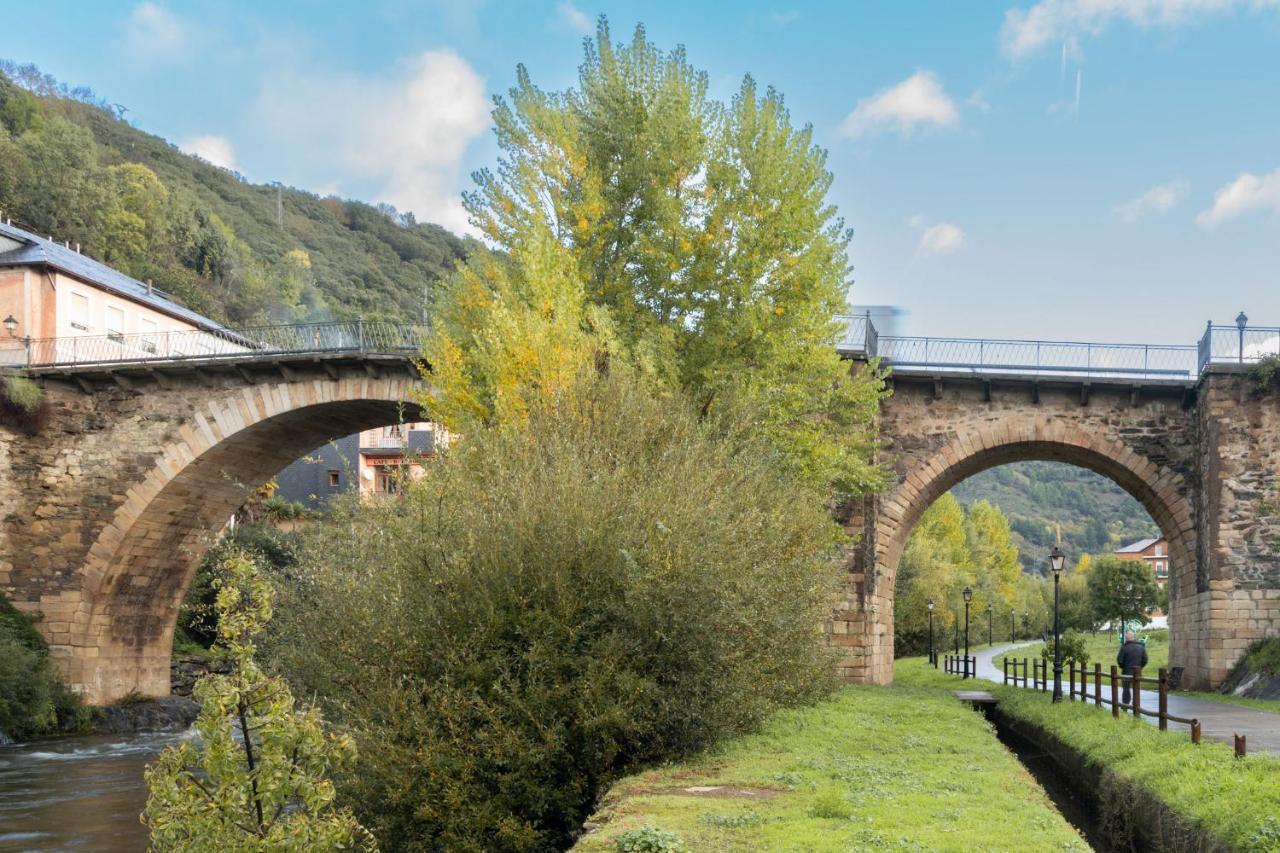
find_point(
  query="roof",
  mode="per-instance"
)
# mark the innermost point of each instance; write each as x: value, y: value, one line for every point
x: 1137, y: 547
x: 38, y: 251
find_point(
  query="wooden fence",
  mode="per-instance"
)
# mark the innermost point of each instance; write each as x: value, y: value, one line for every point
x: 961, y: 665
x: 1077, y: 682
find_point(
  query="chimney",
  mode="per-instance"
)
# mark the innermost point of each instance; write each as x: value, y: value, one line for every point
x: 77, y: 248
x: 149, y: 288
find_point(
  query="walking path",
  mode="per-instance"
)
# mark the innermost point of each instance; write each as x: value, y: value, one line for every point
x: 1218, y: 720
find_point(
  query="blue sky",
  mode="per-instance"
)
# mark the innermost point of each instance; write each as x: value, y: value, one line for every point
x: 1072, y: 169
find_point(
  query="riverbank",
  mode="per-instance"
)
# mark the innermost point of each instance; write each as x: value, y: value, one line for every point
x: 905, y: 766
x: 1236, y: 802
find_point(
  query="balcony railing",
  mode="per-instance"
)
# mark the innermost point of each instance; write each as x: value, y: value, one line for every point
x: 1231, y: 344
x: 320, y: 338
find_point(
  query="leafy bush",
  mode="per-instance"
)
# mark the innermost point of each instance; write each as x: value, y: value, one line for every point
x: 649, y: 839
x: 611, y: 583
x: 33, y: 699
x: 1075, y: 648
x: 22, y: 404
x: 255, y: 778
x: 22, y: 392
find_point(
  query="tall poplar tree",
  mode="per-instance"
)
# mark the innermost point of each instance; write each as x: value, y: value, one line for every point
x: 634, y: 217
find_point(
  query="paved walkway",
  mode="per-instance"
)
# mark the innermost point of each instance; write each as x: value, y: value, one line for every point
x: 1218, y: 720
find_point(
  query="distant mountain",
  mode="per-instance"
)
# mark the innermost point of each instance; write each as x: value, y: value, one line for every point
x: 243, y: 253
x: 1096, y: 515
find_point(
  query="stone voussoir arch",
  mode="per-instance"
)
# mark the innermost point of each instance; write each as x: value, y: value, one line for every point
x: 139, y: 566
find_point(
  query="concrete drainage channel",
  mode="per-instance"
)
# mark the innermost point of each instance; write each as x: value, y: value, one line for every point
x: 1113, y: 815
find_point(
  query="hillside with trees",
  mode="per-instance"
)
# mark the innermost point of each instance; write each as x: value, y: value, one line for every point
x: 242, y: 253
x: 1096, y: 516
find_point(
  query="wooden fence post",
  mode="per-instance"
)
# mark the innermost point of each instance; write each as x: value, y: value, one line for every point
x: 1115, y: 694
x: 1240, y: 745
x: 1195, y: 731
x: 1006, y: 670
x: 1137, y: 692
x: 1097, y: 684
x: 1164, y: 699
x: 1071, y: 681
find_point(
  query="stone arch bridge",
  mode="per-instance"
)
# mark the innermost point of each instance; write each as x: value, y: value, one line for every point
x: 108, y: 508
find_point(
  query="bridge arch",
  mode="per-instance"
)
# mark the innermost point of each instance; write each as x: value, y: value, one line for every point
x: 926, y: 476
x: 139, y: 566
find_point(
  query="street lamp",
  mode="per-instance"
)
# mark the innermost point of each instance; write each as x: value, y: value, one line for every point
x: 11, y: 325
x: 1241, y: 322
x: 968, y: 596
x: 932, y: 658
x: 1013, y: 624
x: 1056, y: 559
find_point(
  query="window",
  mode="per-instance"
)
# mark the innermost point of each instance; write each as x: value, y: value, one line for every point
x: 79, y: 311
x: 333, y: 478
x: 1159, y: 550
x: 148, y: 329
x: 387, y: 481
x: 115, y: 323
x: 1160, y: 569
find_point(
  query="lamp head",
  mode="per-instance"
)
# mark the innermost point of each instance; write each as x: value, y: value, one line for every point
x: 1057, y: 559
x: 929, y: 604
x: 1241, y: 321
x: 968, y: 595
x: 10, y: 324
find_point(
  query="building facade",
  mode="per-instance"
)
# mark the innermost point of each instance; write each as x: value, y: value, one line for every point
x: 59, y: 305
x: 374, y: 462
x: 1153, y: 552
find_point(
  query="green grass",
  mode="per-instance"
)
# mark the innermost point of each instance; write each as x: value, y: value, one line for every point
x: 905, y: 767
x: 1238, y: 801
x: 1103, y: 647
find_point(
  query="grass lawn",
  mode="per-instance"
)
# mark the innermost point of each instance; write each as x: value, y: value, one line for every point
x: 1239, y: 801
x: 1102, y: 649
x: 904, y: 767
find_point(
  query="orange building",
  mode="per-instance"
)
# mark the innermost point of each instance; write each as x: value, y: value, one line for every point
x: 1155, y: 552
x: 60, y: 305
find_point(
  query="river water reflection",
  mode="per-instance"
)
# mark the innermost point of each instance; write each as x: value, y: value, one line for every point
x: 80, y: 793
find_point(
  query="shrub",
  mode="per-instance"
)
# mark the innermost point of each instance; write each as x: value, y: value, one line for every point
x: 1075, y: 648
x: 23, y: 393
x: 255, y: 779
x: 611, y: 583
x: 1264, y: 656
x: 22, y: 404
x: 33, y: 699
x: 649, y: 839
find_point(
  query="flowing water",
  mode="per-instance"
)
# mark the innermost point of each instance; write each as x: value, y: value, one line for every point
x: 82, y: 793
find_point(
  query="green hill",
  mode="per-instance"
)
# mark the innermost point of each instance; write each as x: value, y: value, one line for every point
x: 1095, y: 514
x: 70, y: 167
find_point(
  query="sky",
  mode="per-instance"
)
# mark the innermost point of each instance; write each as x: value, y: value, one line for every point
x: 1092, y: 170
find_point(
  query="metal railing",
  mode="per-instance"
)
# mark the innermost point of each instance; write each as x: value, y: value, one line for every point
x: 1232, y: 344
x: 357, y: 336
x: 1219, y: 345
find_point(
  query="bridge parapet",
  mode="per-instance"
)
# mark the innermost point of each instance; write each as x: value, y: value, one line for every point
x: 1220, y: 345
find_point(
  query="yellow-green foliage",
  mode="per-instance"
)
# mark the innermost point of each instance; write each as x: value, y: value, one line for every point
x: 255, y: 779
x: 903, y: 768
x: 639, y: 218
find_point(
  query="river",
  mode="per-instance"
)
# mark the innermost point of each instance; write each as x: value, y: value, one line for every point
x: 82, y: 793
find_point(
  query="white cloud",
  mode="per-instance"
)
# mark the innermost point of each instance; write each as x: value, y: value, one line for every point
x: 212, y: 149
x: 783, y: 17
x: 406, y: 132
x: 1027, y: 31
x: 1246, y: 194
x: 574, y: 18
x: 917, y: 101
x: 939, y: 239
x: 1154, y: 201
x: 153, y: 32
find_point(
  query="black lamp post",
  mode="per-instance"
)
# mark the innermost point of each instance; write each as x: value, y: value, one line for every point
x: 968, y: 596
x: 933, y: 659
x: 11, y: 326
x: 1056, y: 559
x: 989, y: 626
x: 1026, y: 623
x: 1013, y: 626
x: 1241, y: 322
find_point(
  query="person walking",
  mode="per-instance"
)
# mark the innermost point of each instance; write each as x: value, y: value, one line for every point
x: 1131, y: 654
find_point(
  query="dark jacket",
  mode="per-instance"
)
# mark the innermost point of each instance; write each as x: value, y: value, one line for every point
x: 1132, y: 654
